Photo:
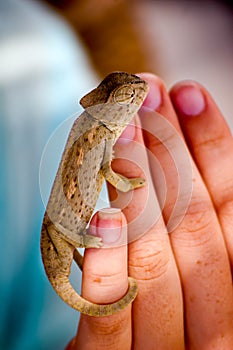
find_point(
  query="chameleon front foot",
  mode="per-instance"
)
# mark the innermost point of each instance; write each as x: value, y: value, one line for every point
x: 119, y: 181
x: 125, y: 184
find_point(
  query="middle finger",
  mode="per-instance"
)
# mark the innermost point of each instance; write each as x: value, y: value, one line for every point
x: 196, y: 237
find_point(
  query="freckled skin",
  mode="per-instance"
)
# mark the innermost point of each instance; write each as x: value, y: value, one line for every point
x: 85, y: 163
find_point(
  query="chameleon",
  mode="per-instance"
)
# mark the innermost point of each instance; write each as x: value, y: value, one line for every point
x: 85, y: 163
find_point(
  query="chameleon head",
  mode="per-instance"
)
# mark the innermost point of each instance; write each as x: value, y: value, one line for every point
x: 117, y: 98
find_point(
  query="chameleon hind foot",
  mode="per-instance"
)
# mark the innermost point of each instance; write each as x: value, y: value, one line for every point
x: 90, y: 241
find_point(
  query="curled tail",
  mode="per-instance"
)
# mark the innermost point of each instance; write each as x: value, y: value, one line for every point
x: 57, y: 256
x: 64, y: 289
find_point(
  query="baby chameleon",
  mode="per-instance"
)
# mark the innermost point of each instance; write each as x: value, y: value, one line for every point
x: 85, y: 163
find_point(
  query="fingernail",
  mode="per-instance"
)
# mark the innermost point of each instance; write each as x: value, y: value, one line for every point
x: 190, y: 100
x: 128, y: 134
x: 107, y: 225
x: 153, y: 99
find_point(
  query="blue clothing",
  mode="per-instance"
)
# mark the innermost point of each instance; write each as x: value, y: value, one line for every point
x: 43, y: 74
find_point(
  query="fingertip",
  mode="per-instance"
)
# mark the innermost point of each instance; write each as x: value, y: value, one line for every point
x: 154, y: 97
x: 110, y: 225
x: 188, y: 98
x: 105, y: 273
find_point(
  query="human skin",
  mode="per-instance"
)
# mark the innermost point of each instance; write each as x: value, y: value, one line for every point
x: 185, y: 298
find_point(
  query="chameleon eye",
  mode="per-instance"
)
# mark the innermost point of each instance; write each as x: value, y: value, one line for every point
x: 124, y: 95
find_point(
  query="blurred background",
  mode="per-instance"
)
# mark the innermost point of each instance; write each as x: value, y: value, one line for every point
x: 51, y: 54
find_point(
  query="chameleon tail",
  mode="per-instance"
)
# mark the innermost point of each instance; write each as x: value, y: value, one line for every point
x: 57, y: 261
x: 65, y: 290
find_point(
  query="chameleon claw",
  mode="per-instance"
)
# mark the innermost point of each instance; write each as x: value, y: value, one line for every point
x: 137, y: 182
x: 90, y: 241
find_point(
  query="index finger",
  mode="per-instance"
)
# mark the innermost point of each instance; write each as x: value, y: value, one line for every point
x: 151, y: 260
x: 105, y: 281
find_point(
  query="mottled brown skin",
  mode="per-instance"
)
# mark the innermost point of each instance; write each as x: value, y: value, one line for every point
x: 85, y: 163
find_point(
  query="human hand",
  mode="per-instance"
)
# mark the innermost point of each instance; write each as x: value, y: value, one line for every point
x: 180, y: 259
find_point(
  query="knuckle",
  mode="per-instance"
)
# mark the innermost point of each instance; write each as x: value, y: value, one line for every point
x: 198, y: 224
x: 211, y: 141
x: 226, y: 209
x: 151, y: 259
x: 225, y: 200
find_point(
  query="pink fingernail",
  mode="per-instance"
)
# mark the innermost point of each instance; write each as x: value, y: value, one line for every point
x: 153, y: 99
x: 190, y: 100
x: 107, y: 225
x: 128, y: 134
